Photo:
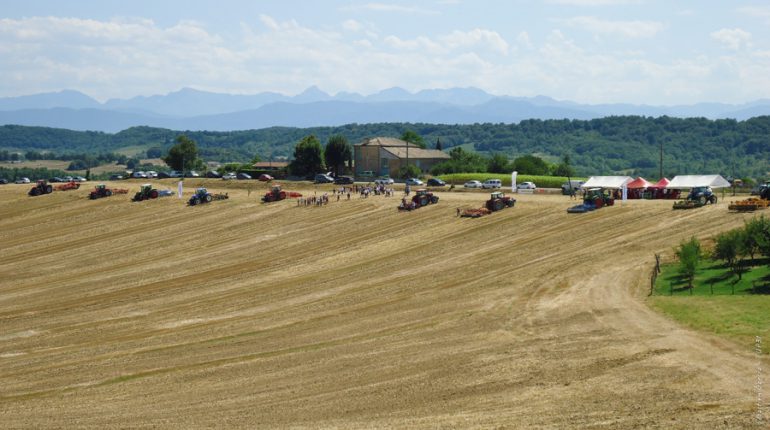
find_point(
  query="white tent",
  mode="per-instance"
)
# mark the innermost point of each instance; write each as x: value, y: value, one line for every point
x: 691, y: 181
x: 607, y: 181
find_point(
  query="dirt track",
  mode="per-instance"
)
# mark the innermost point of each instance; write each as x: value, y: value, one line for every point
x: 351, y: 315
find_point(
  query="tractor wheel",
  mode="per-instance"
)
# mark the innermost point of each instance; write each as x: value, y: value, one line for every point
x: 154, y: 194
x: 48, y: 189
x: 34, y: 192
x: 510, y: 203
x: 92, y: 196
x: 498, y: 205
x: 434, y: 199
x: 208, y: 198
x: 195, y: 201
x: 424, y: 201
x: 713, y: 200
x: 598, y: 202
x: 702, y: 200
x: 282, y: 195
x: 107, y: 193
x: 77, y: 186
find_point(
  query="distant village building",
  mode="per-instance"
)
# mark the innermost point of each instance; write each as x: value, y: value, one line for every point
x: 271, y: 165
x: 387, y: 155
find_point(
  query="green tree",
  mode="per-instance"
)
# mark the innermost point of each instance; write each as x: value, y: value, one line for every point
x: 438, y: 145
x: 154, y: 152
x: 729, y: 247
x: 689, y: 254
x: 412, y: 137
x: 564, y: 168
x: 410, y: 171
x: 308, y: 157
x: 498, y: 163
x: 131, y: 163
x: 531, y: 165
x: 753, y: 232
x: 256, y: 159
x: 337, y: 151
x: 184, y: 155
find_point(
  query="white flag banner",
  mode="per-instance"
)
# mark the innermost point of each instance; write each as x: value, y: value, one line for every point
x: 625, y: 192
x: 513, y: 181
x: 179, y: 189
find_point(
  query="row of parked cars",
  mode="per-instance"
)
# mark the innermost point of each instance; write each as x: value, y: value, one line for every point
x: 496, y: 183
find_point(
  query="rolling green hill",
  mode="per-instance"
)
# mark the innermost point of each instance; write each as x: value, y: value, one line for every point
x: 624, y: 144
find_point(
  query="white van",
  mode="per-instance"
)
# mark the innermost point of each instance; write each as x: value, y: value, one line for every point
x: 492, y: 183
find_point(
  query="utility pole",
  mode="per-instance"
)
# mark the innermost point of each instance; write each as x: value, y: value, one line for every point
x: 661, y: 160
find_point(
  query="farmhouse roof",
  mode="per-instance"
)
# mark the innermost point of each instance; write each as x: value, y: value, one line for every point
x: 416, y: 152
x: 398, y: 147
x: 607, y: 181
x: 268, y: 164
x: 690, y: 181
x: 638, y: 183
x: 386, y: 141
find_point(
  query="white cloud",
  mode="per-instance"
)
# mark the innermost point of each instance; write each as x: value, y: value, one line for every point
x: 391, y: 7
x: 631, y: 29
x: 593, y: 3
x: 761, y: 12
x: 352, y: 25
x: 733, y: 38
x: 125, y: 58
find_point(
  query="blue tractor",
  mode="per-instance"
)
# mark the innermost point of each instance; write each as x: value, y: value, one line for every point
x: 202, y: 195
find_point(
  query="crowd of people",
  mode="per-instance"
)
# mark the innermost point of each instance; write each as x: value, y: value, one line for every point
x: 363, y: 191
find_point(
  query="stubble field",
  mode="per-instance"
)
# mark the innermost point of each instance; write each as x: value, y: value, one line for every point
x: 351, y: 315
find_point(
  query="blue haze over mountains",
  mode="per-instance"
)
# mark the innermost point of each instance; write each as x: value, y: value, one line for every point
x: 189, y: 109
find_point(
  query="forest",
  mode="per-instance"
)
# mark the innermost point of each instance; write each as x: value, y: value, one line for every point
x: 612, y: 145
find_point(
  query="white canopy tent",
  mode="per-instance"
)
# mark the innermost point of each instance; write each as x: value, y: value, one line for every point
x: 691, y: 181
x: 616, y: 182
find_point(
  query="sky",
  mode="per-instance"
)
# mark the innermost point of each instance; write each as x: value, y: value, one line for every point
x: 654, y: 52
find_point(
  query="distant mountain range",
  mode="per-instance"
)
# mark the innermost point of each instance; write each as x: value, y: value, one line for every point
x: 190, y: 109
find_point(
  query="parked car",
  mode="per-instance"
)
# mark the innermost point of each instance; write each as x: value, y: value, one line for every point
x: 413, y: 181
x: 139, y: 175
x: 436, y: 182
x: 472, y: 184
x: 151, y: 174
x: 68, y: 179
x: 384, y: 181
x: 163, y: 175
x: 175, y: 174
x: 571, y: 186
x: 243, y: 176
x: 230, y: 175
x: 56, y: 179
x: 343, y: 180
x: 192, y: 174
x: 213, y: 174
x: 116, y: 177
x: 492, y: 184
x: 79, y: 179
x: 265, y: 177
x: 23, y: 181
x: 323, y: 178
x: 3, y: 181
x: 527, y: 186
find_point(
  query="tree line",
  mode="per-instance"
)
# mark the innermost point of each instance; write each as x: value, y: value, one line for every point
x: 623, y: 144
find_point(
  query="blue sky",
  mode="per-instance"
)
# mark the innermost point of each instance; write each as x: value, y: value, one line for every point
x: 589, y: 51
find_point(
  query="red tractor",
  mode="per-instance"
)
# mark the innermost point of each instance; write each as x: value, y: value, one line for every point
x: 276, y: 193
x: 422, y: 197
x: 41, y: 187
x: 101, y: 190
x: 499, y: 201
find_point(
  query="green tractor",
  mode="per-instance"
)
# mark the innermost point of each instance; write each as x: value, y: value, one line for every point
x: 145, y: 193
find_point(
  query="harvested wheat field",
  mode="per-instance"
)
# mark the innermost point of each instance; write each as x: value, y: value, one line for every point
x: 351, y: 315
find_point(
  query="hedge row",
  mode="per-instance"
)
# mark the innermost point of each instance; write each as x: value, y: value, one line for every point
x: 540, y: 181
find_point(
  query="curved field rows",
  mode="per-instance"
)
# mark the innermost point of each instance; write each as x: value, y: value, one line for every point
x: 352, y: 315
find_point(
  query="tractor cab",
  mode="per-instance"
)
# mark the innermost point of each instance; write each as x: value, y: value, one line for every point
x: 146, y: 188
x: 497, y: 195
x: 101, y: 187
x: 421, y: 192
x: 201, y: 191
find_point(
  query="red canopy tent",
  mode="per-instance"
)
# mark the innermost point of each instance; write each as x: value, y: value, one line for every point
x: 638, y: 183
x: 659, y: 190
x: 636, y: 188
